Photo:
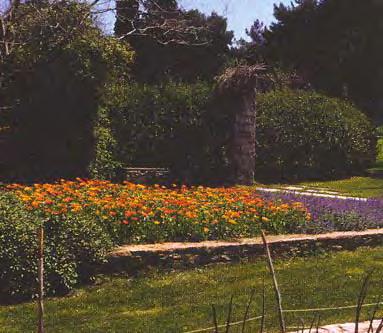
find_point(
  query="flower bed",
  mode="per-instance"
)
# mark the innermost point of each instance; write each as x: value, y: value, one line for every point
x: 336, y: 214
x: 139, y: 214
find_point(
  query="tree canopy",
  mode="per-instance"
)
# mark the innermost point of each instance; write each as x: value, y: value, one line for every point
x: 172, y: 42
x: 335, y: 44
x: 51, y: 83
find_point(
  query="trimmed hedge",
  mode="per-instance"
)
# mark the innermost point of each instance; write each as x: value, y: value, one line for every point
x: 161, y: 126
x: 302, y: 135
x: 185, y: 127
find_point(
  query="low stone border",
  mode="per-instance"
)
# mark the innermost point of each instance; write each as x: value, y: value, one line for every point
x: 132, y: 258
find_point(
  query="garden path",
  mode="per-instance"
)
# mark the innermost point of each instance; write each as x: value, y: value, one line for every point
x: 301, y: 190
x: 346, y: 328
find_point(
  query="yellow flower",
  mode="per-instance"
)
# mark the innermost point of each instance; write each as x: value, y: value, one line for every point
x: 206, y: 230
x: 157, y: 222
x: 265, y: 219
x: 231, y: 221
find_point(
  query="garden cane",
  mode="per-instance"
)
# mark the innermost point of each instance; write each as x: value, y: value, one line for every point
x: 41, y: 280
x: 276, y: 288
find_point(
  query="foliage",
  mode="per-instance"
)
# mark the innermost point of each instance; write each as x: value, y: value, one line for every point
x: 239, y: 79
x: 140, y: 214
x: 73, y: 245
x: 252, y: 51
x: 52, y: 82
x: 307, y: 135
x: 163, y: 126
x: 380, y: 154
x: 104, y: 164
x: 172, y: 43
x: 366, y: 187
x: 335, y: 44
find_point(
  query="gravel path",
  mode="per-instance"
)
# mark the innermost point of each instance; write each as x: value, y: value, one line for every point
x: 346, y: 328
x: 308, y: 192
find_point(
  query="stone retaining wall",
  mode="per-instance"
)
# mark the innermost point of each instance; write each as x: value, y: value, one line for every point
x: 132, y: 258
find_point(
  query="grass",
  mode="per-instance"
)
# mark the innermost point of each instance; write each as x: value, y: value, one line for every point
x: 366, y: 187
x: 181, y: 301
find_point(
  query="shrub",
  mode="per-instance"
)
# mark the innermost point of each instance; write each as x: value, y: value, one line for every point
x: 73, y: 245
x: 161, y: 126
x: 307, y: 135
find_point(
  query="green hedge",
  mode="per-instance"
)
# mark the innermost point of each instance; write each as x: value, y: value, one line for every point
x: 72, y: 248
x: 300, y: 134
x: 307, y: 135
x: 161, y: 126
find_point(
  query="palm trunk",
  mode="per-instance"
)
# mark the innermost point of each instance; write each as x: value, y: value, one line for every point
x: 243, y: 149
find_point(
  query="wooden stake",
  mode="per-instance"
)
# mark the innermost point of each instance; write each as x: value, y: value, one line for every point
x: 276, y: 288
x: 41, y: 281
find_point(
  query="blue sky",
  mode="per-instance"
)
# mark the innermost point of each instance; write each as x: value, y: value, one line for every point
x: 240, y: 13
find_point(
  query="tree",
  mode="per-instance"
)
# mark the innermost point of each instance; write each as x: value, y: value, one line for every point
x: 252, y: 51
x: 172, y: 42
x: 335, y: 44
x: 51, y: 86
x: 237, y: 87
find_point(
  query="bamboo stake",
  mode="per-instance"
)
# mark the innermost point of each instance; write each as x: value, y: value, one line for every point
x: 276, y: 288
x: 41, y: 281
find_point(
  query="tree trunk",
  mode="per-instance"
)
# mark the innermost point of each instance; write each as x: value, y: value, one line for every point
x: 243, y: 150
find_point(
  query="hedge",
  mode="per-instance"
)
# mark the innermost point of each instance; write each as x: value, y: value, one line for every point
x: 304, y: 135
x: 160, y: 126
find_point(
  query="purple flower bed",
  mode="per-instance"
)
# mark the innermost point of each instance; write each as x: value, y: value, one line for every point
x: 334, y: 214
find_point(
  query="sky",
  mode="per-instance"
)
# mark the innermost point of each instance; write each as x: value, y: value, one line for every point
x: 240, y: 13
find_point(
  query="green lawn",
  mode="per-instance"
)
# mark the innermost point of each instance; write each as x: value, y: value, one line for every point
x: 180, y: 301
x: 355, y: 186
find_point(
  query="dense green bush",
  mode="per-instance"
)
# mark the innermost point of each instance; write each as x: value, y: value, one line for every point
x: 72, y: 248
x: 161, y: 126
x: 307, y: 135
x: 51, y: 85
